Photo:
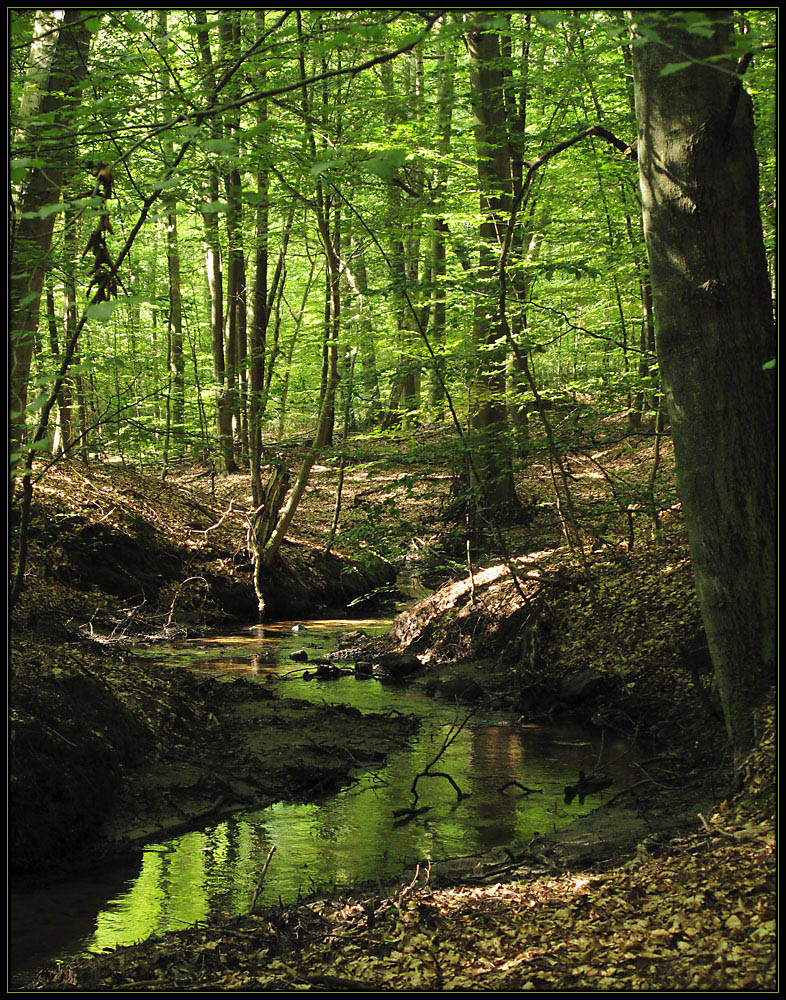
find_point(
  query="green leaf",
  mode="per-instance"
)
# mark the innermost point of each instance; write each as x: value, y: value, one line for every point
x: 132, y: 24
x: 768, y: 366
x: 549, y: 18
x: 21, y: 164
x: 212, y: 207
x: 670, y: 68
x: 37, y: 403
x: 45, y: 212
x: 101, y: 310
x: 321, y: 167
x: 224, y: 147
x: 386, y: 163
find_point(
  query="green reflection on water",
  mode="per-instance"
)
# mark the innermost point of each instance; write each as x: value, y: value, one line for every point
x: 353, y: 837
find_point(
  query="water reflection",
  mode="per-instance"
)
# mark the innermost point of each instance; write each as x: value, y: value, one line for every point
x: 353, y: 836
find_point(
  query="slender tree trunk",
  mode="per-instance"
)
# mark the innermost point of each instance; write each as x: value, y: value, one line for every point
x: 332, y: 261
x: 298, y: 321
x: 366, y: 342
x: 175, y: 358
x: 446, y: 73
x: 61, y: 438
x: 261, y: 319
x: 698, y: 171
x: 214, y: 272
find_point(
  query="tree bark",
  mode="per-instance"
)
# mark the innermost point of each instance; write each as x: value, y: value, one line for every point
x: 214, y: 273
x: 445, y: 99
x: 257, y: 345
x: 175, y: 358
x: 489, y: 411
x: 698, y: 172
x: 62, y: 78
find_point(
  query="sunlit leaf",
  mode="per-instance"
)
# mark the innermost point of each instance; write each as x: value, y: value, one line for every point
x: 385, y: 164
x: 101, y: 311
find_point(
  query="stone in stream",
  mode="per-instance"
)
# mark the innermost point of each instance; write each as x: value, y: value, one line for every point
x: 353, y: 638
x: 456, y: 689
x: 397, y: 666
x: 299, y: 655
x: 363, y: 669
x: 582, y: 684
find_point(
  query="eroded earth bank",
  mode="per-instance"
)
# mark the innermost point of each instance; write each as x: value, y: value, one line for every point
x: 670, y: 884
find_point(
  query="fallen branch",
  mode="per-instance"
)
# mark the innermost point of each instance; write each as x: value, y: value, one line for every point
x: 738, y: 836
x: 428, y: 773
x: 409, y: 813
x: 527, y: 791
x: 258, y: 889
x: 188, y: 579
x: 220, y: 521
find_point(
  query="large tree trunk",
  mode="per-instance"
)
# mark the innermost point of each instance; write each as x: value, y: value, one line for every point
x: 489, y: 416
x: 60, y: 82
x: 699, y: 180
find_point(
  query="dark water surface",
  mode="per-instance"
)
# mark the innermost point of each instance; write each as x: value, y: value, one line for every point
x: 351, y: 837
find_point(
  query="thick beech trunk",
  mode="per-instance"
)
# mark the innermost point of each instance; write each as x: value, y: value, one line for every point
x: 699, y: 180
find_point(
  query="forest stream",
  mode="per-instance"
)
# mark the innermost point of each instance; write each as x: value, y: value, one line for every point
x: 351, y: 838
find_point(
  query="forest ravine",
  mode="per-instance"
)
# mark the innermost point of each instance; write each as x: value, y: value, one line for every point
x: 463, y: 319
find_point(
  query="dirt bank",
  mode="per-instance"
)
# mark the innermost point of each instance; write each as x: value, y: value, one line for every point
x: 106, y: 755
x: 106, y: 752
x: 616, y: 640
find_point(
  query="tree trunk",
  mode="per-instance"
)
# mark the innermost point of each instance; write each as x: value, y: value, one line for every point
x: 62, y: 78
x: 259, y: 324
x: 446, y: 71
x: 489, y: 411
x: 235, y: 319
x: 214, y: 272
x: 698, y: 172
x: 176, y: 361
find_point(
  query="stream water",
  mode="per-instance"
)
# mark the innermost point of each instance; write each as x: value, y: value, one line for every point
x: 352, y: 837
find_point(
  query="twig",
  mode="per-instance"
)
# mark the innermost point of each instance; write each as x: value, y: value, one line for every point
x: 223, y: 518
x: 738, y: 836
x: 527, y: 791
x: 428, y: 773
x: 258, y: 889
x: 188, y: 579
x: 409, y: 813
x: 644, y: 781
x: 439, y: 774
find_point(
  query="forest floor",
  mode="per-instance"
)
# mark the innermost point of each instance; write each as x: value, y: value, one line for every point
x: 614, y: 639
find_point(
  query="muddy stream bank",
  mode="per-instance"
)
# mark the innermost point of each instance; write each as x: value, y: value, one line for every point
x: 346, y: 839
